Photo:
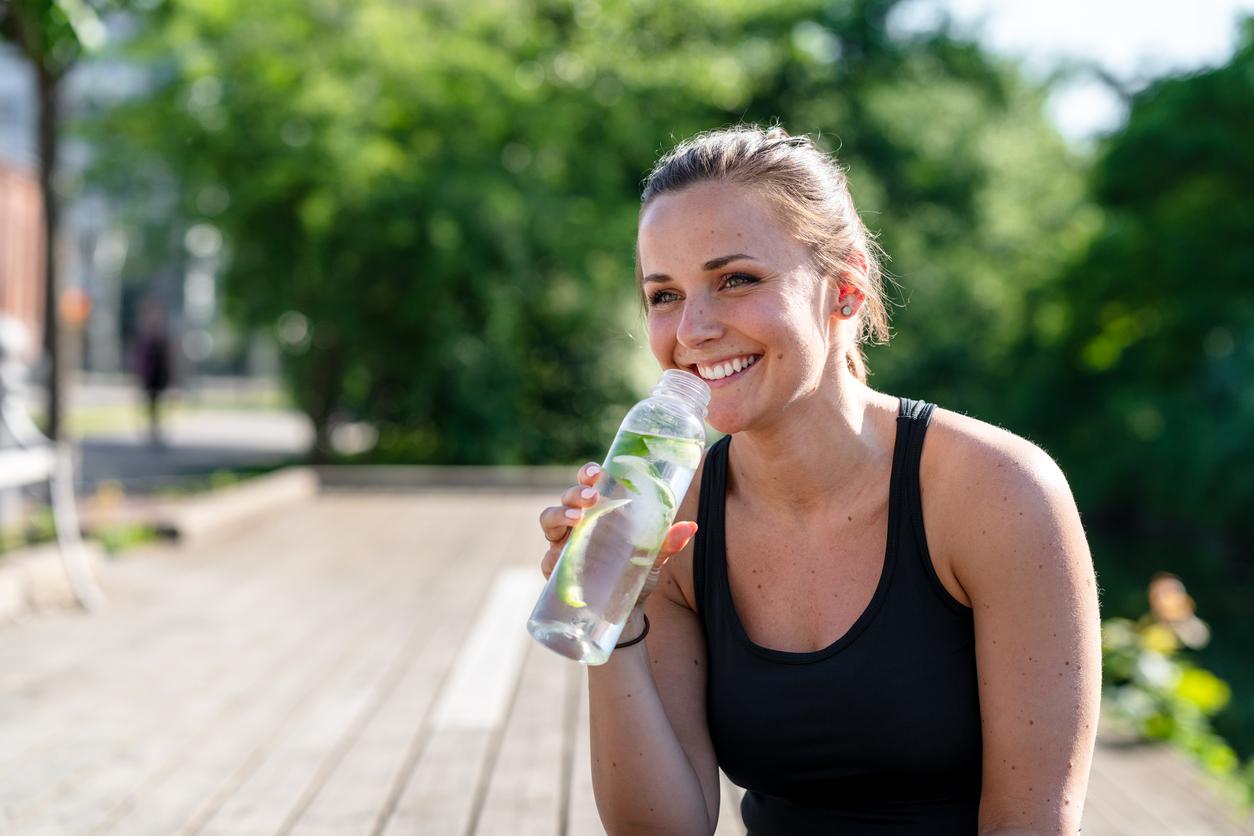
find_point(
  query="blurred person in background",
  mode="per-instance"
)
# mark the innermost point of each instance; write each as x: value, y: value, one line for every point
x: 152, y: 362
x: 869, y: 634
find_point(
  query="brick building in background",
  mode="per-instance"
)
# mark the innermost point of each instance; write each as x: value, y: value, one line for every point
x: 22, y: 253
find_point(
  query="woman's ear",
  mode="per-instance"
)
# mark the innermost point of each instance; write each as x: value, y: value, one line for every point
x: 849, y: 296
x: 848, y: 299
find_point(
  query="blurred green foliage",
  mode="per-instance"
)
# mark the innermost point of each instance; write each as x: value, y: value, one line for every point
x: 38, y: 526
x: 1152, y: 329
x: 1138, y: 372
x: 1149, y: 687
x: 445, y: 195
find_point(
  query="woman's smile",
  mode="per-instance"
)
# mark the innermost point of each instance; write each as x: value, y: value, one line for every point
x: 726, y: 372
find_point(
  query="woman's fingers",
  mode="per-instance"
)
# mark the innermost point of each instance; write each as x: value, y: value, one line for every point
x: 589, y: 473
x: 549, y: 561
x: 555, y: 524
x: 676, y: 538
x: 556, y: 521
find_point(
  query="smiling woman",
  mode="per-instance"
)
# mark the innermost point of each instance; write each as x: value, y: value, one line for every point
x: 869, y: 633
x: 804, y: 186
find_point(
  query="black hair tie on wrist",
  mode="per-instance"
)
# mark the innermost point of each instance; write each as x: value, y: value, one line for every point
x: 638, y: 638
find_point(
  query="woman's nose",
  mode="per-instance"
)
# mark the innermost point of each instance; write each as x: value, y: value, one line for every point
x: 698, y: 324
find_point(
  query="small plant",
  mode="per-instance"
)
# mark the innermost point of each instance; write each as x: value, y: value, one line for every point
x: 1150, y: 687
x: 37, y: 527
x: 118, y: 538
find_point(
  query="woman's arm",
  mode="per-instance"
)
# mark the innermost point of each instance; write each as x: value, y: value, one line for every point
x: 653, y: 765
x: 1014, y: 538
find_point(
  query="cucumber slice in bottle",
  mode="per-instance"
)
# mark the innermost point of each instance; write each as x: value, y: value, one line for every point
x: 629, y: 444
x: 638, y: 476
x: 677, y: 451
x: 569, y: 590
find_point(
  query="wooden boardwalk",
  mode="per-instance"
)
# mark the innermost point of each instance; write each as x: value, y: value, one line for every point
x: 355, y: 666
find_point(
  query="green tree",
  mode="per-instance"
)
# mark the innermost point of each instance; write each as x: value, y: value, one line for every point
x: 1143, y: 359
x: 52, y: 35
x: 1155, y: 324
x: 445, y: 195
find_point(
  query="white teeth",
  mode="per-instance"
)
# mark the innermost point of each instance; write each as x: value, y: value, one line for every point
x: 728, y: 368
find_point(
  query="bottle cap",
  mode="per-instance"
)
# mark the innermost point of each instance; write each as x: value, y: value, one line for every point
x: 686, y: 385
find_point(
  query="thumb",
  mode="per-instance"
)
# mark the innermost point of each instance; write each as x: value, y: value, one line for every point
x: 676, y: 538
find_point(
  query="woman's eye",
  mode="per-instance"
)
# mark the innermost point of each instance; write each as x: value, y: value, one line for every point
x: 662, y: 297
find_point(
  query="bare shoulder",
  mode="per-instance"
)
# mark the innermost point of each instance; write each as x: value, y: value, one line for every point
x: 999, y: 512
x: 984, y: 489
x: 977, y: 452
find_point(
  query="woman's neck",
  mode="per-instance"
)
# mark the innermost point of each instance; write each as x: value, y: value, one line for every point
x: 828, y: 449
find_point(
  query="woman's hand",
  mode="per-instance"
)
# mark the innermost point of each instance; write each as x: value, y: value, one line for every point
x: 557, y: 521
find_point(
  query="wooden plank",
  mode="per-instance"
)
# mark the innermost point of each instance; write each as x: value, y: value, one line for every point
x: 1102, y: 815
x: 358, y: 792
x: 177, y: 732
x: 266, y: 797
x: 58, y: 681
x: 1156, y: 786
x: 525, y: 792
x: 229, y: 762
x: 275, y: 797
x: 582, y: 818
x: 439, y: 798
x: 137, y: 705
x: 482, y: 683
x: 364, y: 789
x: 442, y: 794
x: 176, y: 577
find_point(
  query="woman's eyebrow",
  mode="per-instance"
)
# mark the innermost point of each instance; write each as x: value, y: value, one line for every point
x: 712, y: 264
x: 715, y: 263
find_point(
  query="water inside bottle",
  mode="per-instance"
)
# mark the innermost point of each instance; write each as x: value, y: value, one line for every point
x: 610, y: 551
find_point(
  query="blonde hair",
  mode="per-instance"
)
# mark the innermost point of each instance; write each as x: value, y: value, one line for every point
x: 811, y: 192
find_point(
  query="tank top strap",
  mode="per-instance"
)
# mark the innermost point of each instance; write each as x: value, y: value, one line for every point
x: 709, y: 526
x: 919, y: 416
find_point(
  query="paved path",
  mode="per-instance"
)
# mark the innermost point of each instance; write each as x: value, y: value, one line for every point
x: 196, y: 444
x: 353, y: 667
x: 215, y: 422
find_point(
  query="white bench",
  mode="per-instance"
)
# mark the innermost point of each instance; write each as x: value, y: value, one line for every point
x: 27, y: 457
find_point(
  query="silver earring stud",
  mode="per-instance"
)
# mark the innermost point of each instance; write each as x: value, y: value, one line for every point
x: 846, y: 310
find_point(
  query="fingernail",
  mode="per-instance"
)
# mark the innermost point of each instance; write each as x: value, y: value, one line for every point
x: 593, y: 470
x: 588, y: 493
x: 573, y: 513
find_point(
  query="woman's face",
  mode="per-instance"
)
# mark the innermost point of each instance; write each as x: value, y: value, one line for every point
x: 728, y: 287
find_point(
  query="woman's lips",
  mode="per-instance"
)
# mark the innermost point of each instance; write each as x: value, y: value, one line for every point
x: 732, y: 378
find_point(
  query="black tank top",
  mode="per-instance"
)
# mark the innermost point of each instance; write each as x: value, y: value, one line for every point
x: 878, y: 733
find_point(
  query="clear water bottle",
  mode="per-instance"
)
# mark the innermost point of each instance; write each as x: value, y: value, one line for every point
x: 607, y: 558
